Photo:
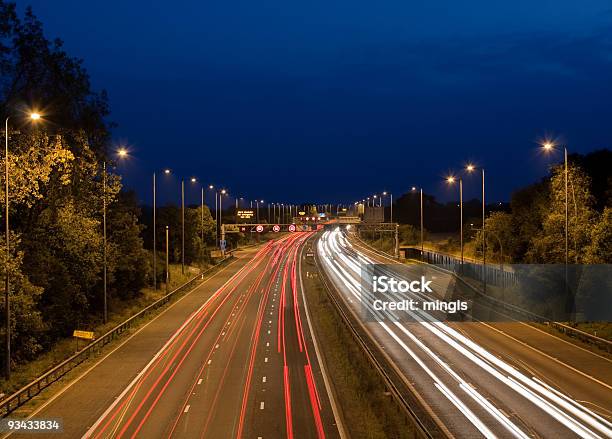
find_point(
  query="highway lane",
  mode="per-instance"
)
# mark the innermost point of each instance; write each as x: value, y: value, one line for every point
x: 240, y: 366
x: 81, y: 401
x: 473, y: 392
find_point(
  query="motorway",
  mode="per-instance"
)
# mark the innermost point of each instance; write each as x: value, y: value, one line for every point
x: 229, y: 361
x: 476, y: 379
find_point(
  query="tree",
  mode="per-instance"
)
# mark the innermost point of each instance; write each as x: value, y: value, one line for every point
x: 548, y: 246
x: 129, y: 264
x: 599, y: 249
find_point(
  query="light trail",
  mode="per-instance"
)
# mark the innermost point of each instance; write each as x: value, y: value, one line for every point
x: 336, y: 252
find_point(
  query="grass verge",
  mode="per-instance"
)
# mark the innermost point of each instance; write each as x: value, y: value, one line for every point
x: 119, y: 311
x: 367, y: 410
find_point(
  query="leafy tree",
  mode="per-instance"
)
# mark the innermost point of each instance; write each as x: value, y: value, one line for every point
x: 27, y: 326
x: 129, y: 263
x: 549, y: 245
x: 599, y: 249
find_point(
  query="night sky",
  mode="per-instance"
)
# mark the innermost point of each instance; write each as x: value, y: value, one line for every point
x: 330, y: 101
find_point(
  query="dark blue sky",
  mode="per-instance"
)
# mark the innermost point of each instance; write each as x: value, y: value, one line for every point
x: 332, y: 100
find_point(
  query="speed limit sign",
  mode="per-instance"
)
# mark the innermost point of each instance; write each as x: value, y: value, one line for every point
x: 259, y: 228
x: 292, y: 227
x: 276, y: 228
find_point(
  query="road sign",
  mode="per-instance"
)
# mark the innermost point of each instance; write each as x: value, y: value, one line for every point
x: 86, y: 335
x: 245, y: 215
x: 223, y: 244
x: 276, y: 228
x: 292, y: 227
x: 259, y: 228
x: 231, y: 228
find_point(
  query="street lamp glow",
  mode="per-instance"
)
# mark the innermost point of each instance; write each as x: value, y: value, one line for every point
x: 122, y: 152
x: 193, y: 179
x: 166, y: 171
x: 548, y: 146
x: 413, y: 188
x: 450, y: 179
x: 223, y: 191
x: 35, y: 116
x: 384, y: 193
x: 470, y: 167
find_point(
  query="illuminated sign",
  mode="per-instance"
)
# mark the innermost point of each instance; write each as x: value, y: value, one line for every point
x: 292, y: 227
x: 276, y: 228
x: 259, y: 228
x: 245, y: 215
x: 302, y: 213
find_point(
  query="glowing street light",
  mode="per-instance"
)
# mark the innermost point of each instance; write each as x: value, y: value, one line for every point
x: 471, y: 168
x: 550, y: 147
x: 451, y: 180
x: 7, y: 309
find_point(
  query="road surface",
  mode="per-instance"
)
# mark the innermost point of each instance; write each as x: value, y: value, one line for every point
x: 231, y: 360
x: 479, y: 380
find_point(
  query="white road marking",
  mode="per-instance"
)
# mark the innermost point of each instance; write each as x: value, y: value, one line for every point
x: 187, y: 409
x: 263, y: 380
x: 266, y: 360
x: 261, y: 405
x: 199, y: 381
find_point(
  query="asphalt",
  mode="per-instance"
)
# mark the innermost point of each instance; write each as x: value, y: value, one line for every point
x: 467, y: 373
x: 213, y: 365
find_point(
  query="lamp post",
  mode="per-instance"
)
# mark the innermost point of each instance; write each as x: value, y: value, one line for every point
x: 122, y: 152
x: 451, y: 180
x: 421, y: 214
x: 221, y: 193
x: 182, y: 225
x: 549, y: 146
x: 167, y: 260
x: 471, y: 168
x: 7, y: 301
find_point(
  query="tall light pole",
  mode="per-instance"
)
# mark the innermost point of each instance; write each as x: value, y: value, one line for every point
x: 549, y: 146
x: 166, y: 172
x: 221, y: 193
x: 167, y: 260
x: 122, y: 153
x: 421, y: 214
x: 182, y: 225
x: 451, y: 180
x: 202, y: 225
x: 472, y: 168
x: 7, y: 300
x: 211, y: 187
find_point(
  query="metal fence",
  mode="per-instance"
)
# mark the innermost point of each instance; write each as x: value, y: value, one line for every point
x: 495, y: 274
x: 32, y: 389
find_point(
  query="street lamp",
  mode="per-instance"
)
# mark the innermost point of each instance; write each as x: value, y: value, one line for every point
x: 471, y: 168
x: 451, y: 180
x: 121, y: 153
x: 390, y: 205
x: 550, y: 147
x: 34, y: 116
x: 182, y: 225
x: 221, y: 193
x: 421, y: 212
x: 166, y: 171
